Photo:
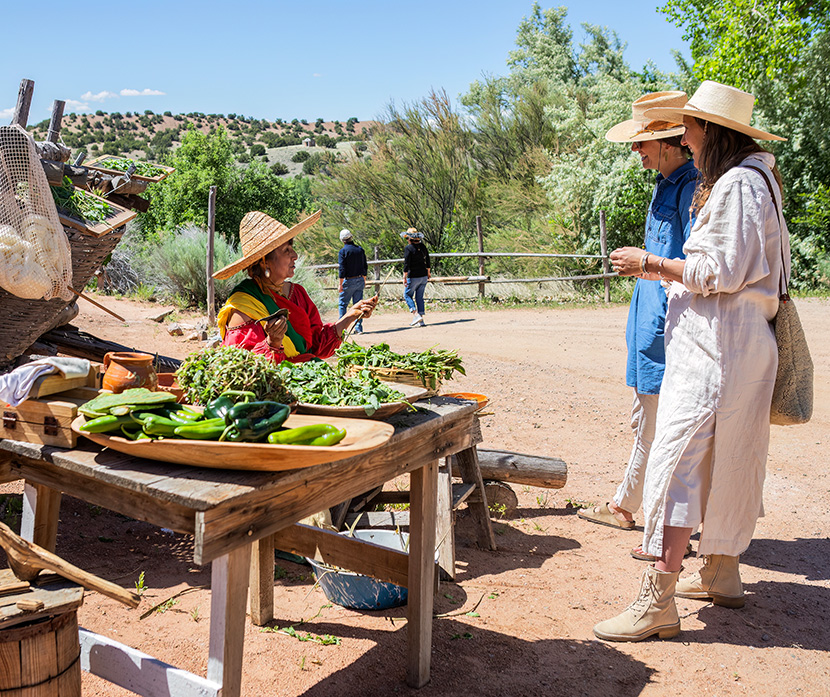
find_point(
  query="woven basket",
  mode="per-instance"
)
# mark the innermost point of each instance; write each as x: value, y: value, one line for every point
x: 27, y: 320
x: 407, y: 377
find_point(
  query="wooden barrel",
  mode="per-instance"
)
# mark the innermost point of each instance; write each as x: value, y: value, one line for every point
x: 41, y: 659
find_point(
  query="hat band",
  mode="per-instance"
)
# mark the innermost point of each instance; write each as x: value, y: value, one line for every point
x: 656, y: 127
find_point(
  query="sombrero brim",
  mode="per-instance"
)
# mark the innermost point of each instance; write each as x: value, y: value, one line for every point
x: 631, y: 132
x: 678, y: 114
x: 280, y: 239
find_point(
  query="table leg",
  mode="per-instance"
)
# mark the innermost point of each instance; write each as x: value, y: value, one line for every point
x: 445, y: 524
x: 262, y: 581
x: 228, y: 598
x: 39, y: 523
x: 423, y: 504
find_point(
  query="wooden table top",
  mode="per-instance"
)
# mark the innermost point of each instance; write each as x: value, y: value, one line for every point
x: 226, y: 508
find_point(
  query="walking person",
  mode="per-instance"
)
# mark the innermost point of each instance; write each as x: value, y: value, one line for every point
x: 351, y: 260
x: 708, y: 459
x: 658, y: 143
x: 416, y: 274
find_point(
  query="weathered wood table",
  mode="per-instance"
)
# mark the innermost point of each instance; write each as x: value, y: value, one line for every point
x: 227, y: 512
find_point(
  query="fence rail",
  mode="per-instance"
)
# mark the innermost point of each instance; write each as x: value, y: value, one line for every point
x: 482, y: 279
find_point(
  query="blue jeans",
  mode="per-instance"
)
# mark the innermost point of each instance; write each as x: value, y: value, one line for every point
x: 352, y: 292
x: 415, y: 288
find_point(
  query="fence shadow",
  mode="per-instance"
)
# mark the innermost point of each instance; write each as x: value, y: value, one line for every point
x: 808, y: 557
x: 395, y: 330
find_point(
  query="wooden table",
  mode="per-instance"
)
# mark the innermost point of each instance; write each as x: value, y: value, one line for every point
x: 227, y: 511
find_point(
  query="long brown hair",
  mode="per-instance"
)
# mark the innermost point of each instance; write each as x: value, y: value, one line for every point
x: 723, y: 148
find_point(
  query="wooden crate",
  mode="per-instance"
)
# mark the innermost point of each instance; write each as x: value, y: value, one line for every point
x: 46, y: 420
x: 119, y: 216
x: 93, y: 165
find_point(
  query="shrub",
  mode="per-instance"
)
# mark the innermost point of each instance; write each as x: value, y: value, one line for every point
x: 300, y: 156
x: 279, y: 168
x: 257, y: 149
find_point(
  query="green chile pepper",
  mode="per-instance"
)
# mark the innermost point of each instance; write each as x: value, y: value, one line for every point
x: 133, y: 434
x: 103, y: 424
x: 154, y: 425
x: 253, y: 421
x: 207, y: 429
x: 222, y: 404
x: 301, y: 433
x: 330, y: 438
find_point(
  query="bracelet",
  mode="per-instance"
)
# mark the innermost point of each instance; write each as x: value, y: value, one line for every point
x: 660, y: 266
x: 643, y: 262
x: 277, y: 349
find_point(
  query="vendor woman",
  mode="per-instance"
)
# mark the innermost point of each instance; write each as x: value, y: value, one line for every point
x: 268, y: 255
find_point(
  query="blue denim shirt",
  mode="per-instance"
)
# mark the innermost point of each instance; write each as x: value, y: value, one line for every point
x: 667, y: 228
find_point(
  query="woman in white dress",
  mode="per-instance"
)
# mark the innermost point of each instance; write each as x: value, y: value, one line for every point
x: 708, y: 459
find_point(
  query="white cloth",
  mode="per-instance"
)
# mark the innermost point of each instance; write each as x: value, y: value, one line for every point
x: 629, y: 494
x: 15, y: 386
x: 721, y: 359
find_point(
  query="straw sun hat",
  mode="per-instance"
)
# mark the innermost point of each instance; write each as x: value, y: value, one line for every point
x: 720, y: 104
x: 639, y: 127
x: 260, y: 234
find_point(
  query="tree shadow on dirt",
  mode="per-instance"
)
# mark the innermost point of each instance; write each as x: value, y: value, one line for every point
x: 470, y: 660
x: 789, y: 615
x: 808, y: 557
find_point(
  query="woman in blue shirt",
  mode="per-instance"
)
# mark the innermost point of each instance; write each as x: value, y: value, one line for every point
x: 667, y: 227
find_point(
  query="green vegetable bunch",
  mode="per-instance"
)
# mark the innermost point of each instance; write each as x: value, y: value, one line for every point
x: 78, y: 204
x: 205, y: 375
x: 122, y: 164
x: 430, y: 365
x: 317, y: 382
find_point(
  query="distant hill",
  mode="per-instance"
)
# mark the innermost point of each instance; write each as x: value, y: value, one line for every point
x: 152, y: 136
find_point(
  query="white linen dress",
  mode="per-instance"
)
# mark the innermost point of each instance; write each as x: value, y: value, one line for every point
x: 721, y: 359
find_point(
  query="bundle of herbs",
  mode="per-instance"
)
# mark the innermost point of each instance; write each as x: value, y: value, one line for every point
x: 79, y: 204
x: 430, y: 365
x: 122, y: 164
x: 205, y: 375
x: 317, y: 382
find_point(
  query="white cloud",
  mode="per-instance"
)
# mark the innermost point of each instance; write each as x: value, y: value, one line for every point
x: 75, y: 105
x: 146, y: 92
x: 99, y: 97
x: 316, y: 74
x: 6, y: 113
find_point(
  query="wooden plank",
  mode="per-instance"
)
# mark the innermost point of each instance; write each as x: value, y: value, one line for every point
x: 444, y: 525
x: 391, y: 497
x: 467, y: 461
x: 41, y: 509
x: 228, y: 597
x: 460, y: 493
x: 262, y: 581
x: 93, y: 164
x: 519, y: 468
x: 424, y: 484
x: 220, y: 528
x: 331, y: 548
x: 54, y: 383
x: 379, y: 519
x: 139, y: 672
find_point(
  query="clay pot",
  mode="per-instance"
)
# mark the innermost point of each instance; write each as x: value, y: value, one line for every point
x: 124, y: 370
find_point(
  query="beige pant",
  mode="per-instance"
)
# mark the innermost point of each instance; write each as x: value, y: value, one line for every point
x: 629, y: 494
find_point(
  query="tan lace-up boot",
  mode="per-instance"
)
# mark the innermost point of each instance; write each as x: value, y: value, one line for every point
x: 718, y: 579
x: 653, y: 612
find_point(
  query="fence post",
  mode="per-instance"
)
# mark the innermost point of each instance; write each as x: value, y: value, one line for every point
x: 603, y: 249
x: 24, y: 101
x: 480, y: 258
x: 377, y: 273
x: 211, y: 305
x: 55, y: 122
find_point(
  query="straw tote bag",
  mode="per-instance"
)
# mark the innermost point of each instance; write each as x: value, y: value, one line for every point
x: 792, y: 396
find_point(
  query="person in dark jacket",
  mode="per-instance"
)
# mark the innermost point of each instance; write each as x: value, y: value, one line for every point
x: 353, y: 267
x: 415, y: 274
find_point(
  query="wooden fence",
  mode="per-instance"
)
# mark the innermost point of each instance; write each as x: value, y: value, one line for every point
x: 482, y: 279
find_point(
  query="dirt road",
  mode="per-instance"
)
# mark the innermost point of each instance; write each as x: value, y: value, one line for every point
x: 555, y: 378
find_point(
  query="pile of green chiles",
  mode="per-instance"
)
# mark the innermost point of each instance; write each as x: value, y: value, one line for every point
x: 235, y: 416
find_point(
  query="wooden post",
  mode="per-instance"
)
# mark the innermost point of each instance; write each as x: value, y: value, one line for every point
x: 209, y: 265
x: 55, y: 122
x: 24, y: 101
x: 480, y: 258
x: 377, y: 273
x: 603, y: 249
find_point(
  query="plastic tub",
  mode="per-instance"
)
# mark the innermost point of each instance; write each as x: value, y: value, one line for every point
x: 357, y: 591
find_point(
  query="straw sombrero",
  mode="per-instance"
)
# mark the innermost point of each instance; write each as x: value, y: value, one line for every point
x: 260, y: 234
x: 639, y: 127
x: 720, y: 104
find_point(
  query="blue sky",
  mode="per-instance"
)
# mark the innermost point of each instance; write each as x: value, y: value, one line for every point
x: 302, y: 59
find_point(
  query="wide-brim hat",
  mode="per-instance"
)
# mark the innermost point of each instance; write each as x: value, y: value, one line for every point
x: 413, y: 234
x: 639, y: 127
x: 260, y: 234
x: 720, y: 104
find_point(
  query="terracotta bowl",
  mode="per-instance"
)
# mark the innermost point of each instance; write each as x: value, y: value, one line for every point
x: 482, y: 400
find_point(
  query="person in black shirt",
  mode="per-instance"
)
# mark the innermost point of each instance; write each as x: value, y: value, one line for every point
x: 353, y: 267
x: 415, y: 274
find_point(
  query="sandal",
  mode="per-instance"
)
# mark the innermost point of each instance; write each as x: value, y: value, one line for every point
x: 604, y: 516
x: 638, y: 553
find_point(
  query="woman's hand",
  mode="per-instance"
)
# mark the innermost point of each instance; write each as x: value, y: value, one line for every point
x: 626, y: 261
x: 365, y: 308
x: 275, y: 330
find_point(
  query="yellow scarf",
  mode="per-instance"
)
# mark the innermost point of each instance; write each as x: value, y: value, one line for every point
x: 249, y: 305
